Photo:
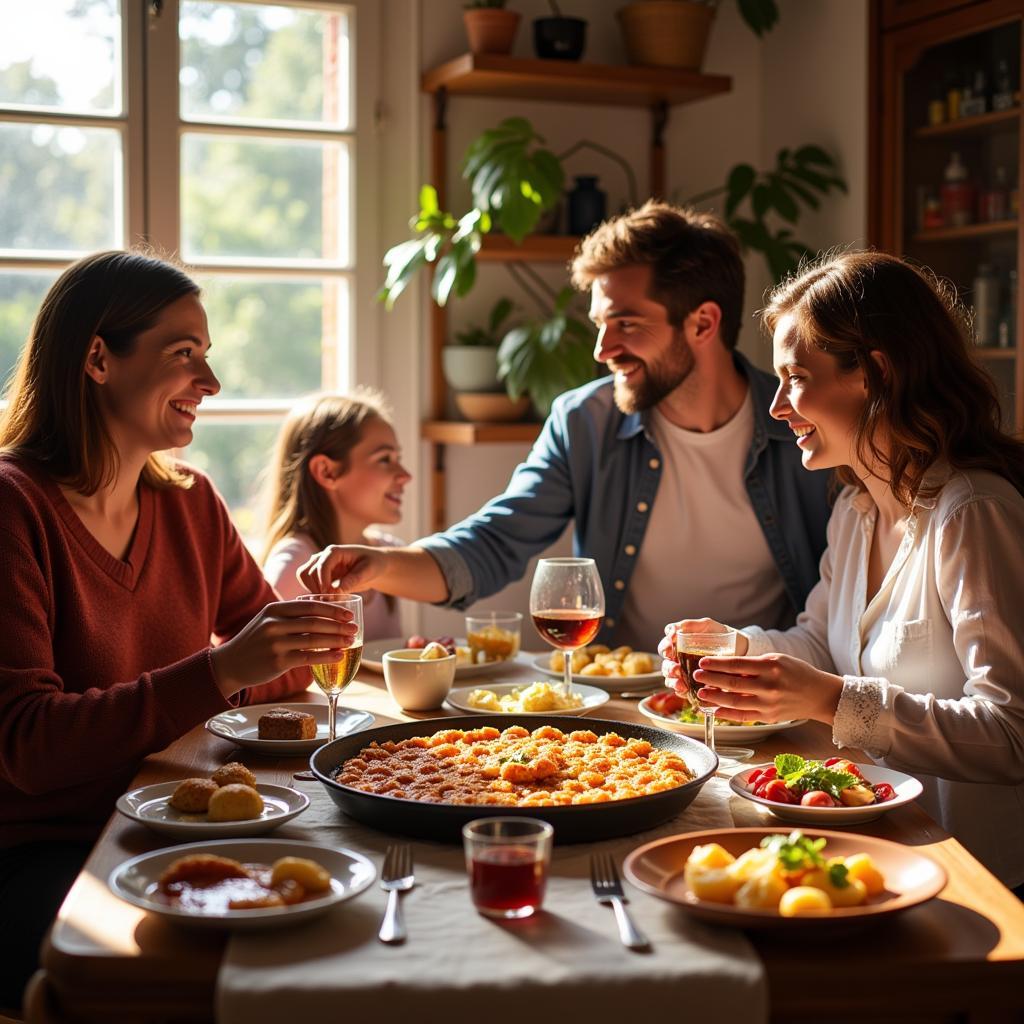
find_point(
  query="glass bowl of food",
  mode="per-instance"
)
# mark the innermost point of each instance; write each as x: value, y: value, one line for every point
x: 493, y: 636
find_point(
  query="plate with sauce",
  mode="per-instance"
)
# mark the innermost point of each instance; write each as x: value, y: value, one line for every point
x: 137, y: 881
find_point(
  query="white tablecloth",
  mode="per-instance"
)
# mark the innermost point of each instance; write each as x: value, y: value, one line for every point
x: 565, y: 963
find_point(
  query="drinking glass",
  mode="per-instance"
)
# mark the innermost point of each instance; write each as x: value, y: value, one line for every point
x: 690, y: 648
x: 567, y: 605
x: 334, y: 677
x: 507, y: 860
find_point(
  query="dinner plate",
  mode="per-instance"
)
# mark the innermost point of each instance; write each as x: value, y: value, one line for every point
x: 241, y: 726
x: 136, y: 881
x: 373, y: 657
x: 148, y: 805
x: 728, y: 733
x: 906, y: 786
x: 613, y: 684
x: 572, y: 824
x: 911, y: 878
x: 592, y: 698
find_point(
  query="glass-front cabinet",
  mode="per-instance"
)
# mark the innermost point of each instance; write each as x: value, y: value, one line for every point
x: 946, y: 174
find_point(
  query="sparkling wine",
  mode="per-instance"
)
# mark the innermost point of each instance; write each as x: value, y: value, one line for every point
x: 335, y: 677
x: 507, y: 878
x: 567, y: 629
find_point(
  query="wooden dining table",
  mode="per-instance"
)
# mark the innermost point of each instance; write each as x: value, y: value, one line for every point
x: 958, y: 957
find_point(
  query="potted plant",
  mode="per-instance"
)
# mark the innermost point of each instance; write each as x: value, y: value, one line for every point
x: 471, y: 363
x: 559, y: 37
x: 489, y: 27
x: 674, y: 33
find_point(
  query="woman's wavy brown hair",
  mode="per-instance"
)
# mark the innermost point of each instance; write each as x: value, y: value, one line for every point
x: 931, y: 402
x: 321, y: 424
x: 53, y: 415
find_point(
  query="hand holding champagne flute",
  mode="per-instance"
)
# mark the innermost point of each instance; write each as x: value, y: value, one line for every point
x: 567, y: 605
x: 333, y: 677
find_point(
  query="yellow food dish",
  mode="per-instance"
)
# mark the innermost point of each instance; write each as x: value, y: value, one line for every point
x: 789, y: 874
x: 535, y: 697
x: 599, y: 660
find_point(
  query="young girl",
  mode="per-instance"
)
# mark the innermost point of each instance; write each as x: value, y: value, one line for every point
x: 910, y: 644
x: 337, y: 469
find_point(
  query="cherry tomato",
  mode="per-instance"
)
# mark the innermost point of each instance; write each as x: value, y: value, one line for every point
x: 883, y: 791
x: 832, y: 760
x: 841, y: 764
x: 761, y: 790
x: 769, y: 773
x: 817, y: 798
x: 779, y: 792
x: 666, y: 703
x: 755, y: 777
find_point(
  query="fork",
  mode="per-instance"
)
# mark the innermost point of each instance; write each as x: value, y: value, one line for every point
x: 608, y: 889
x: 396, y: 876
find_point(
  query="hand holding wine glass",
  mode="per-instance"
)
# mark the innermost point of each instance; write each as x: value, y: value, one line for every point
x: 333, y: 677
x: 567, y: 605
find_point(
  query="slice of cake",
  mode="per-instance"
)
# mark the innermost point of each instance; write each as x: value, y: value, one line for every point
x: 285, y: 724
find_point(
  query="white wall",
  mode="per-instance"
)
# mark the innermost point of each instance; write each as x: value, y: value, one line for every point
x: 805, y: 82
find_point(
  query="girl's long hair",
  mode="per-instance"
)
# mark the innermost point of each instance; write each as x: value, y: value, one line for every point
x: 53, y: 415
x: 323, y: 424
x: 930, y: 402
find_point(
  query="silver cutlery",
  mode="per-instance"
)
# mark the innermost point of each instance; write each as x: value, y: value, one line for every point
x: 396, y: 876
x: 608, y: 889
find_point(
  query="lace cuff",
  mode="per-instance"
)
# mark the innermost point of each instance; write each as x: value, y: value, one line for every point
x: 861, y: 706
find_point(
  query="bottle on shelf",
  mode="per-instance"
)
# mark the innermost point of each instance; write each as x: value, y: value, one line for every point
x: 957, y: 193
x: 1007, y: 329
x: 985, y: 301
x: 952, y: 96
x: 937, y: 108
x: 1002, y: 91
x: 993, y: 201
x: 587, y: 205
x: 974, y: 100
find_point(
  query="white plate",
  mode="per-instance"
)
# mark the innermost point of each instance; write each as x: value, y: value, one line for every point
x: 611, y: 683
x: 728, y: 733
x: 241, y: 726
x: 135, y: 880
x: 373, y: 657
x: 592, y: 698
x: 906, y: 786
x: 148, y: 806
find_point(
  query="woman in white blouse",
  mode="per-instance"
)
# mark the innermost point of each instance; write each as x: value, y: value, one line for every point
x: 910, y: 645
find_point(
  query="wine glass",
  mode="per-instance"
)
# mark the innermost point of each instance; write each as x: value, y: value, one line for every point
x: 567, y: 605
x: 690, y: 648
x: 334, y: 677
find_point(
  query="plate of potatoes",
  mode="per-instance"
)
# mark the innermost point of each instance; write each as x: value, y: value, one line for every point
x: 228, y: 804
x: 610, y: 668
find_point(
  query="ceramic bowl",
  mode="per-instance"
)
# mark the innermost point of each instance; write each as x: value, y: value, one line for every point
x: 416, y: 684
x: 487, y: 407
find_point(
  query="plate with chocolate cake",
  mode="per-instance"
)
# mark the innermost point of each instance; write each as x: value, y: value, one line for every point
x: 284, y: 728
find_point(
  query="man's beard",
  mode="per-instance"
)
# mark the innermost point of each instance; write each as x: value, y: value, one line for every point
x: 655, y: 380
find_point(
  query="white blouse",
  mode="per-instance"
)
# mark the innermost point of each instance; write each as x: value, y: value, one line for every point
x: 932, y: 665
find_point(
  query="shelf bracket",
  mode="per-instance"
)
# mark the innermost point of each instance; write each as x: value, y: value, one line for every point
x: 441, y: 109
x: 659, y: 120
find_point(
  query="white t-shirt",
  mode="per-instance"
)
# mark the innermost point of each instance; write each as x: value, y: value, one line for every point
x: 381, y: 618
x: 704, y: 552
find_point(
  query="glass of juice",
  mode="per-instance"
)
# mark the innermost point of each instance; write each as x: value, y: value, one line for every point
x: 507, y: 860
x: 332, y: 677
x: 567, y: 605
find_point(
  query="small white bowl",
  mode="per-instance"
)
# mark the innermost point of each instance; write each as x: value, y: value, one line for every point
x: 416, y: 684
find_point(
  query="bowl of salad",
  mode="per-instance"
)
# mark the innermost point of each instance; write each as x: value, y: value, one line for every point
x: 670, y: 711
x: 835, y: 791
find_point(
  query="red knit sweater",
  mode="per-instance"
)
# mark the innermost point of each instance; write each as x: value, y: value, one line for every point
x: 104, y: 661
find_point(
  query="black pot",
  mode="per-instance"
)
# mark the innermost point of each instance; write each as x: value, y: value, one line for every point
x: 559, y: 38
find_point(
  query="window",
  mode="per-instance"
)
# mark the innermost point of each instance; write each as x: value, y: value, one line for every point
x: 224, y: 132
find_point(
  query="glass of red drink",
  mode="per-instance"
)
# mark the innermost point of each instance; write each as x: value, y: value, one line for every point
x: 507, y: 860
x: 567, y: 605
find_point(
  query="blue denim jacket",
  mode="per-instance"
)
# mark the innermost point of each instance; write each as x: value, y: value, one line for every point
x: 601, y: 467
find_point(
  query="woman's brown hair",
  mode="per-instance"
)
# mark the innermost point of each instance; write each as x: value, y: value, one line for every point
x: 325, y: 424
x: 927, y: 399
x: 53, y: 414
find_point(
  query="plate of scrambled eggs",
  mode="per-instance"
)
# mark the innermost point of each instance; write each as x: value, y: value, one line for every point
x: 533, y: 699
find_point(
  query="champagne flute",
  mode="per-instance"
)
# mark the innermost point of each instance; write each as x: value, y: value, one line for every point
x: 334, y: 677
x: 690, y: 648
x: 567, y: 605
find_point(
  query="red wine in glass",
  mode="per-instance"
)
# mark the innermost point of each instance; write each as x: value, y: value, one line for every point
x: 566, y: 629
x: 507, y: 880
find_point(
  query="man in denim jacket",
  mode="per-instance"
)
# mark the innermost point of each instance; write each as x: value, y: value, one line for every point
x: 738, y: 525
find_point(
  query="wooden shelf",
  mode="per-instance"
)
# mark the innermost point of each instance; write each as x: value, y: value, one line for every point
x: 534, y: 249
x: 478, y: 74
x: 457, y: 432
x: 970, y: 125
x: 984, y: 352
x: 996, y: 227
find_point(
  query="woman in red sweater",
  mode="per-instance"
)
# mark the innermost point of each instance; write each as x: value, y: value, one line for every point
x: 130, y: 610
